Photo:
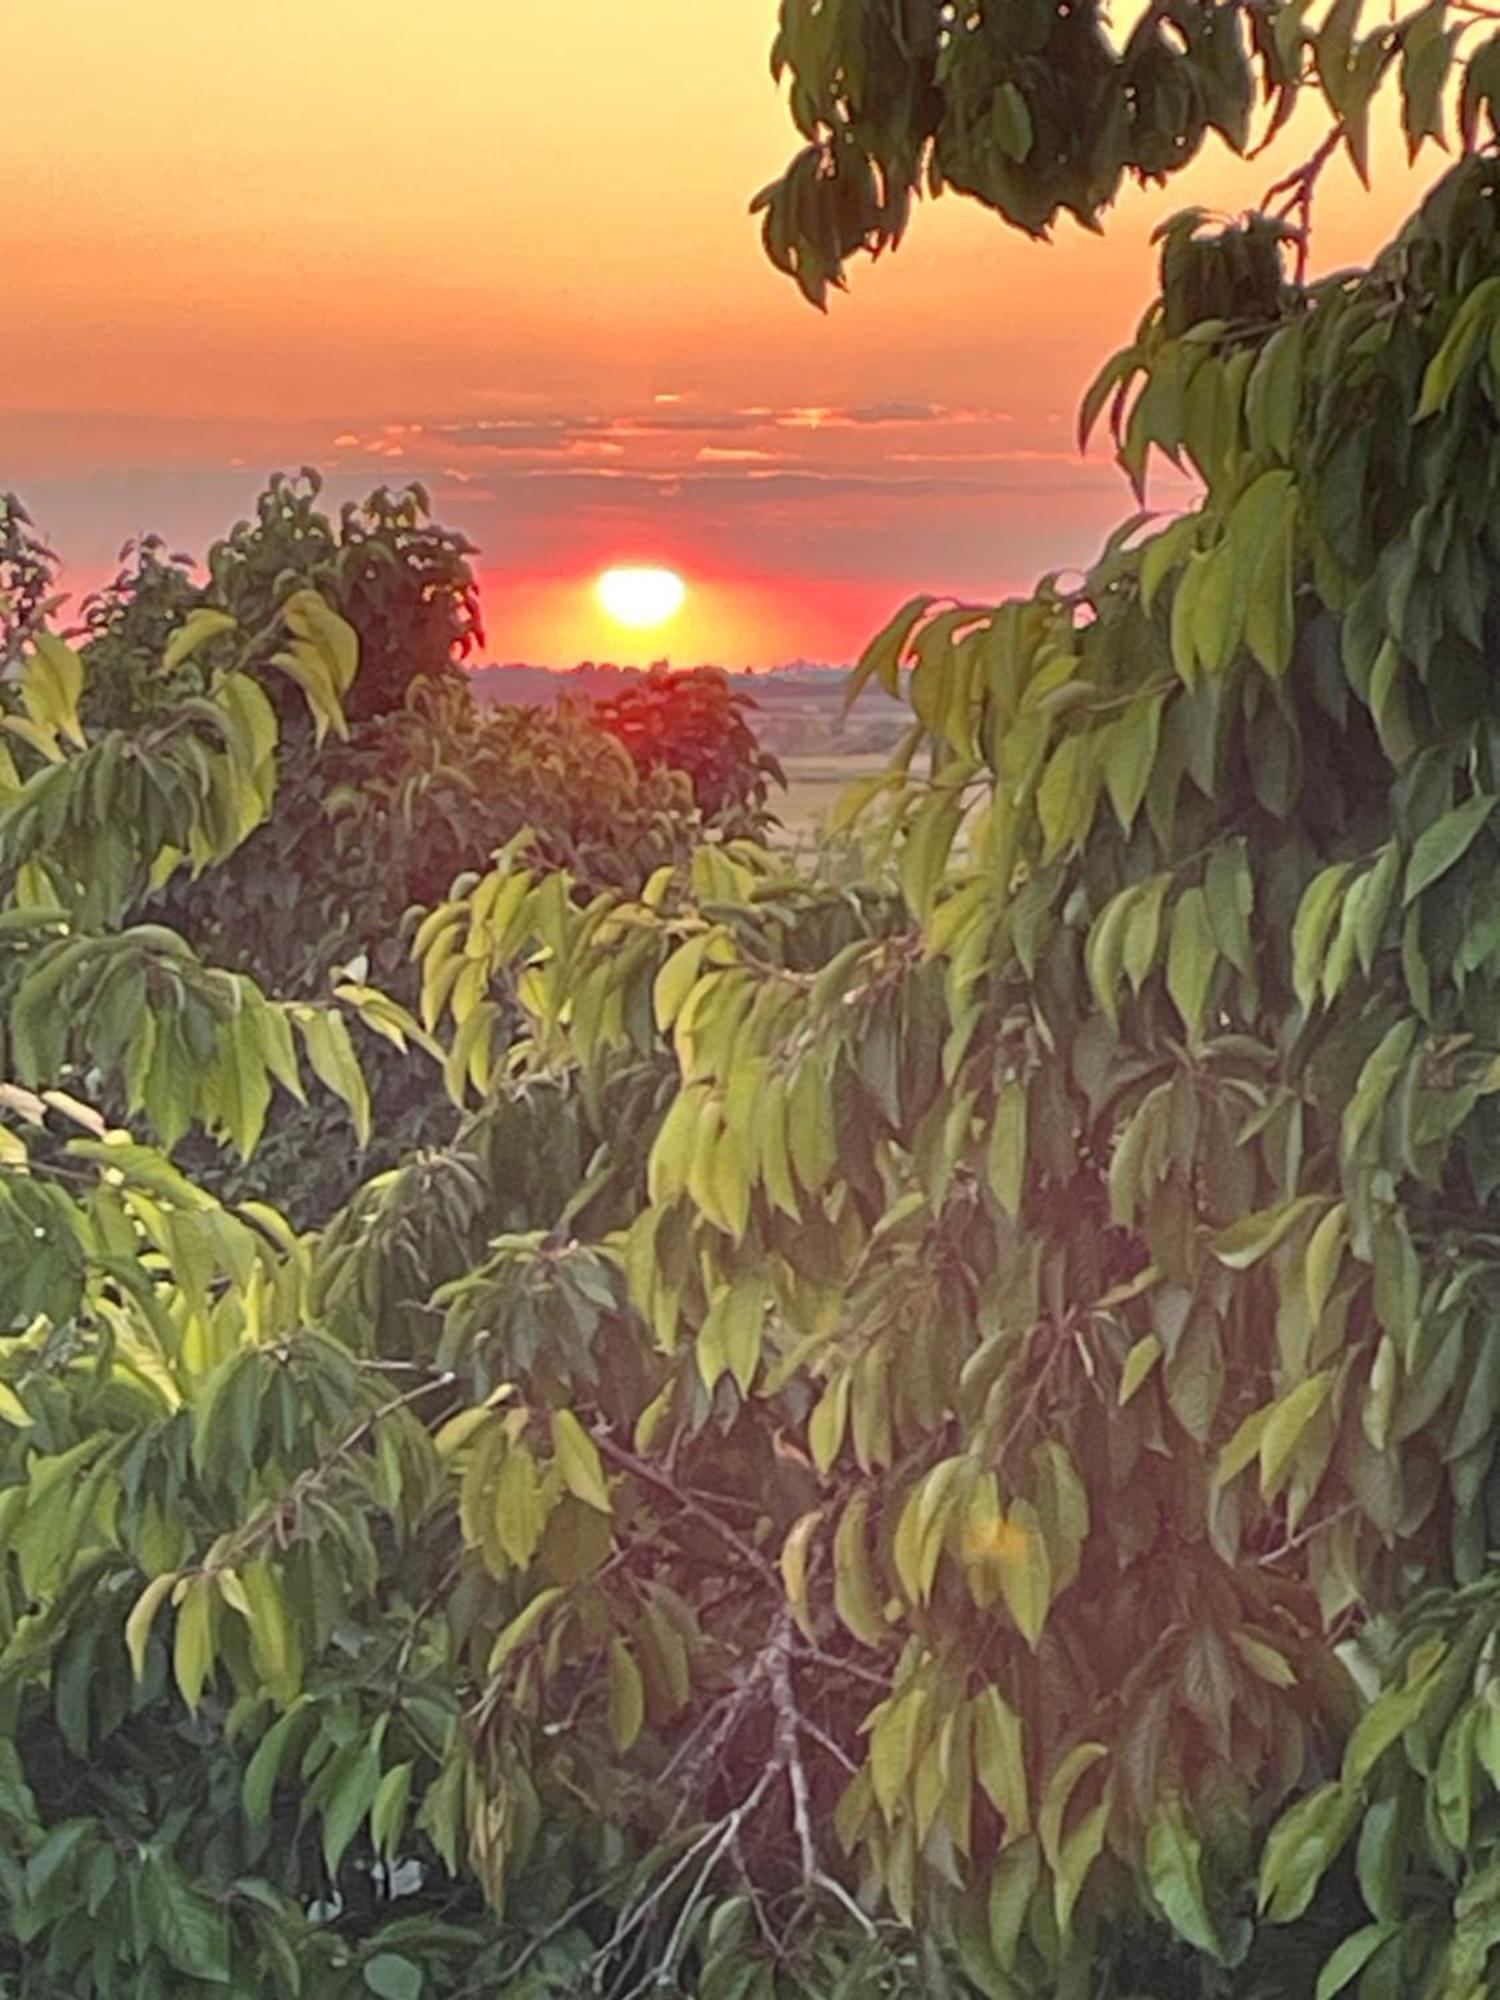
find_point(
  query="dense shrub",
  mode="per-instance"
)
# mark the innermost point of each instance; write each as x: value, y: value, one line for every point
x: 417, y: 787
x: 695, y: 722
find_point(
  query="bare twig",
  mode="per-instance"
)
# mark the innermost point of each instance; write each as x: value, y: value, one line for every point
x: 1306, y: 1534
x: 271, y: 1519
x: 825, y: 1742
x: 789, y: 1726
x: 788, y: 1748
x: 718, y: 1840
x: 1298, y: 187
x: 852, y: 1668
x: 640, y: 1469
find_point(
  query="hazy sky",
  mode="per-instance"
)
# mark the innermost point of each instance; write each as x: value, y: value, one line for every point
x: 504, y: 247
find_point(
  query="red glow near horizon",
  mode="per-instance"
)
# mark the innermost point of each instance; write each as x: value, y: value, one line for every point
x: 556, y: 620
x: 583, y: 353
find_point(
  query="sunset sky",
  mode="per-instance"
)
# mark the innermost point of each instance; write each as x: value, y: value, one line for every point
x: 506, y: 250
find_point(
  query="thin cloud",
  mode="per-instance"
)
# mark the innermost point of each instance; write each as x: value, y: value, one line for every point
x: 719, y: 454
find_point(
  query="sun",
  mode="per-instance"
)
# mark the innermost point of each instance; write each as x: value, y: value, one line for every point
x: 641, y: 598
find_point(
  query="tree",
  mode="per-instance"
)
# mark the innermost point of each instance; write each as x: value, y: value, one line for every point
x: 376, y: 814
x: 694, y: 722
x: 28, y: 579
x: 404, y: 583
x: 1037, y: 110
x: 931, y: 1432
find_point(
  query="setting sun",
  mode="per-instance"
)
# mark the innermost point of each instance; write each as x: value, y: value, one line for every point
x: 641, y: 598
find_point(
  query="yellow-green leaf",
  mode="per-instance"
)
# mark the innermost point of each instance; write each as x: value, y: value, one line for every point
x: 578, y: 1459
x: 142, y: 1614
x: 794, y: 1555
x: 1000, y: 1760
x: 1192, y: 956
x: 192, y: 1654
x: 627, y: 1695
x: 1139, y: 1362
x: 1285, y: 1424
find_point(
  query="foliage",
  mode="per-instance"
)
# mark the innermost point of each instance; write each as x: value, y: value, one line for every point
x: 924, y: 1433
x: 377, y: 813
x: 695, y: 722
x: 403, y: 583
x: 1036, y: 109
x: 28, y: 580
x: 127, y: 628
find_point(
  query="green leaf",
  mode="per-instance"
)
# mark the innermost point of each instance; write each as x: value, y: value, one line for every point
x: 1010, y: 123
x: 350, y: 1802
x: 1017, y: 1873
x: 334, y: 1062
x: 1020, y: 1556
x: 918, y: 1541
x: 305, y: 665
x: 1254, y: 1236
x: 1444, y: 843
x: 1066, y: 795
x: 1274, y: 397
x: 195, y: 630
x: 881, y: 659
x: 794, y: 1554
x: 677, y: 978
x: 828, y: 1423
x: 1139, y: 1363
x: 1288, y: 1419
x: 1007, y: 1149
x: 1351, y: 1958
x: 1174, y: 1867
x: 1192, y: 956
x: 192, y: 1933
x: 1314, y: 921
x: 393, y: 1977
x: 1064, y: 1781
x: 893, y: 1745
x: 1103, y: 953
x: 1381, y: 1860
x: 138, y: 1624
x: 51, y: 684
x: 520, y: 1509
x: 388, y: 1812
x: 264, y: 1767
x: 192, y: 1654
x: 316, y: 623
x: 1274, y: 1668
x: 925, y: 851
x: 1000, y: 1760
x: 1143, y: 931
x: 1300, y: 1848
x: 1243, y: 1446
x: 1388, y: 1717
x: 1261, y: 537
x: 1130, y: 757
x: 1071, y: 1857
x: 521, y: 1627
x: 627, y: 1695
x: 578, y: 1459
x: 1325, y: 1251
x: 854, y: 1593
x: 1469, y: 329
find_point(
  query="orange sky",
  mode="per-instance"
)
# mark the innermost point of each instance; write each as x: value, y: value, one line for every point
x: 466, y: 242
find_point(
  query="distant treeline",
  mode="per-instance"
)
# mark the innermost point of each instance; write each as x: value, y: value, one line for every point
x: 798, y: 708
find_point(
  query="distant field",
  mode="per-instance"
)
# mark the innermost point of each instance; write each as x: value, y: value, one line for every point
x: 814, y: 782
